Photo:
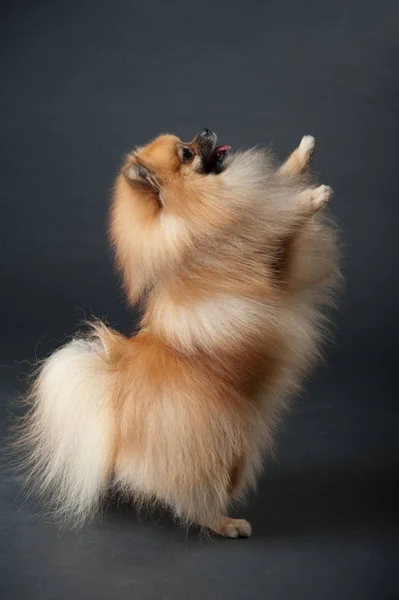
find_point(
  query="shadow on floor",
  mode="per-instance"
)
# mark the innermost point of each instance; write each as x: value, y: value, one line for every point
x: 327, y: 498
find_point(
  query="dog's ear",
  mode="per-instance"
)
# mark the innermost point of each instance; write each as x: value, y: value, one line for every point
x: 139, y: 174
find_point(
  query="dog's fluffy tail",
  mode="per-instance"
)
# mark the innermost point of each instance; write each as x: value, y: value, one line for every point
x: 68, y: 434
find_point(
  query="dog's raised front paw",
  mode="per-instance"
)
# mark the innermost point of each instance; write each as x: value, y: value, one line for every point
x: 306, y: 149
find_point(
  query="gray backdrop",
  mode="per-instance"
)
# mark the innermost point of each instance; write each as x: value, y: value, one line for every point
x: 82, y: 82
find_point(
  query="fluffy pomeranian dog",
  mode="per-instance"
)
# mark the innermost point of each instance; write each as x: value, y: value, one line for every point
x: 233, y: 262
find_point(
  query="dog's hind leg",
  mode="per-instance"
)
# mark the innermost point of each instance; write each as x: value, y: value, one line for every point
x: 206, y: 505
x: 233, y: 528
x: 227, y: 526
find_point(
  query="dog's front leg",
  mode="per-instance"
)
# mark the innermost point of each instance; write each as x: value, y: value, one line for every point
x: 299, y: 160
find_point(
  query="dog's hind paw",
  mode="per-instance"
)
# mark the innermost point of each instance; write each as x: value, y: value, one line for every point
x: 233, y: 528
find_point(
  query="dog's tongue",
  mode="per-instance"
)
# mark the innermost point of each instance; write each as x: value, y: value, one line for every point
x: 222, y: 149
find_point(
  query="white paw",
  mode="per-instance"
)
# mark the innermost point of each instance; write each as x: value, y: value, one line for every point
x: 236, y: 528
x: 320, y: 196
x: 306, y: 148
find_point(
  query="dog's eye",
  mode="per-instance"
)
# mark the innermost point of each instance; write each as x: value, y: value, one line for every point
x: 187, y: 154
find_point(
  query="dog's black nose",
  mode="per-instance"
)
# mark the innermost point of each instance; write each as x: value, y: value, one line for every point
x: 205, y: 133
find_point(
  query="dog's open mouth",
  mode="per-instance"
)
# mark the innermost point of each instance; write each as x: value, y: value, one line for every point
x: 216, y: 161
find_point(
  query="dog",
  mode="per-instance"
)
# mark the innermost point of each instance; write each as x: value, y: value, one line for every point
x: 233, y: 262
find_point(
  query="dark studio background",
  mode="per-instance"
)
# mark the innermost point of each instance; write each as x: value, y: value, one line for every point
x: 82, y: 82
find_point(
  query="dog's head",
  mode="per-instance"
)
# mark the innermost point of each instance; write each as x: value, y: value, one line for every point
x: 170, y: 171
